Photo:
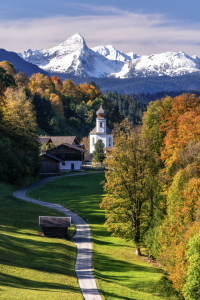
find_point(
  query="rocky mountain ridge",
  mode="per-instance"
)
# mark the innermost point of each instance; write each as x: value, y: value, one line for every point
x: 74, y: 57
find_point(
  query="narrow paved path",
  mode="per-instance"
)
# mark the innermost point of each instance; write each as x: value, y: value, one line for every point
x: 82, y: 240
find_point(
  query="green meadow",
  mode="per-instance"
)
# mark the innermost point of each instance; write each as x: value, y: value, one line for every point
x: 32, y: 266
x: 119, y: 273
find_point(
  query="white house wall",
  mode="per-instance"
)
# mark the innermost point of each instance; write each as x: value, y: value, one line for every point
x: 67, y: 166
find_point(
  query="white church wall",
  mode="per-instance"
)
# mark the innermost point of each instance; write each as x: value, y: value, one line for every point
x: 92, y: 142
x: 109, y: 140
x: 102, y: 137
x: 105, y: 139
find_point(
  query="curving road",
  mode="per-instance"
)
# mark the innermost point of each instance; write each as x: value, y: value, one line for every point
x: 82, y: 239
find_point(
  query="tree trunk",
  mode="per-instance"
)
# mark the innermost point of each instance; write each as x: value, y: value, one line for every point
x: 137, y: 251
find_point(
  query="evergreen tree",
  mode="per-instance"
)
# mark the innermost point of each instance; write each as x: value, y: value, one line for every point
x: 98, y: 153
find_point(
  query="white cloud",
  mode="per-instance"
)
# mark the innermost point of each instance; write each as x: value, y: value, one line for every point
x: 126, y: 31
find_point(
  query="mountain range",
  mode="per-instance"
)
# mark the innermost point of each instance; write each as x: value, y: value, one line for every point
x: 73, y: 57
x: 19, y: 63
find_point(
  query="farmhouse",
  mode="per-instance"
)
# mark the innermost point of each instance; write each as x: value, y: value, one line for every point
x: 64, y: 157
x: 57, y: 140
x: 101, y: 131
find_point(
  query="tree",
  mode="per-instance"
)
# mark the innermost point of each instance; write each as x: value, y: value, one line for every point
x: 41, y: 84
x: 19, y: 143
x: 6, y: 79
x: 181, y: 224
x: 191, y: 288
x: 21, y: 79
x: 179, y: 121
x: 86, y: 142
x: 44, y: 111
x: 57, y: 104
x: 98, y: 153
x: 58, y: 83
x: 130, y: 179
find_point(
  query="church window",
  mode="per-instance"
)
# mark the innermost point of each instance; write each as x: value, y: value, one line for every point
x: 92, y: 141
x: 109, y: 142
x: 101, y: 125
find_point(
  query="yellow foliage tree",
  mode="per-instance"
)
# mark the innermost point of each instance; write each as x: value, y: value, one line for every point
x: 57, y: 104
x: 41, y: 84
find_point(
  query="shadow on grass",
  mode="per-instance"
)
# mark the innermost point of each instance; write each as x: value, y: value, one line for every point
x: 114, y: 296
x: 16, y: 282
x: 104, y: 233
x: 126, y: 274
x: 40, y: 255
x: 99, y: 242
x: 108, y: 264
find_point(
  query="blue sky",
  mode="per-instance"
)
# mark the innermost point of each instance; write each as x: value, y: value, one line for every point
x: 144, y: 27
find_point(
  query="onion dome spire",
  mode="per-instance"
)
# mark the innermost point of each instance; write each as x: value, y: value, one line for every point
x: 101, y: 112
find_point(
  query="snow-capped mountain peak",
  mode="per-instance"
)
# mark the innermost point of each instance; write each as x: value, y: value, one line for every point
x: 74, y: 42
x: 75, y: 58
x: 72, y: 56
x: 111, y: 53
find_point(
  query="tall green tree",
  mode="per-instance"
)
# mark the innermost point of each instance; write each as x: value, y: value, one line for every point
x: 98, y: 153
x: 191, y: 288
x: 130, y: 181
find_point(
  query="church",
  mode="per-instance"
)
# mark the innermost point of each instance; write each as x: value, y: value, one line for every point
x: 101, y: 131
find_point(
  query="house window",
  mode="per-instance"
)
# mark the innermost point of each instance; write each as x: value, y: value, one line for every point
x: 109, y: 142
x: 92, y: 141
x: 101, y: 125
x: 63, y: 163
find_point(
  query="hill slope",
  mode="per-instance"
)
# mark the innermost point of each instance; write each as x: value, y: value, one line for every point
x: 19, y: 63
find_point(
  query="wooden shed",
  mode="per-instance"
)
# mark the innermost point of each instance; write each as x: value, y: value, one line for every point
x: 50, y: 164
x: 55, y: 226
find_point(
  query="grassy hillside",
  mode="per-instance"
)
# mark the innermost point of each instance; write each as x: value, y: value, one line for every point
x: 32, y: 266
x: 119, y: 273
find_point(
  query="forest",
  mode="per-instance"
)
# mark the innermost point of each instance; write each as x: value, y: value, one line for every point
x: 174, y: 235
x: 149, y: 84
x: 153, y: 189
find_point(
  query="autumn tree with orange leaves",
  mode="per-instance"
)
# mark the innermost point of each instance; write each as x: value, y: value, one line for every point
x: 175, y: 125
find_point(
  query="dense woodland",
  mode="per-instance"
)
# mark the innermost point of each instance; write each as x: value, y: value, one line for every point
x: 173, y: 238
x: 153, y: 189
x: 133, y: 105
x: 149, y: 84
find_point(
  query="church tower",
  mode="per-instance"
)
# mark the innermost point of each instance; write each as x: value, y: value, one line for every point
x: 101, y: 131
